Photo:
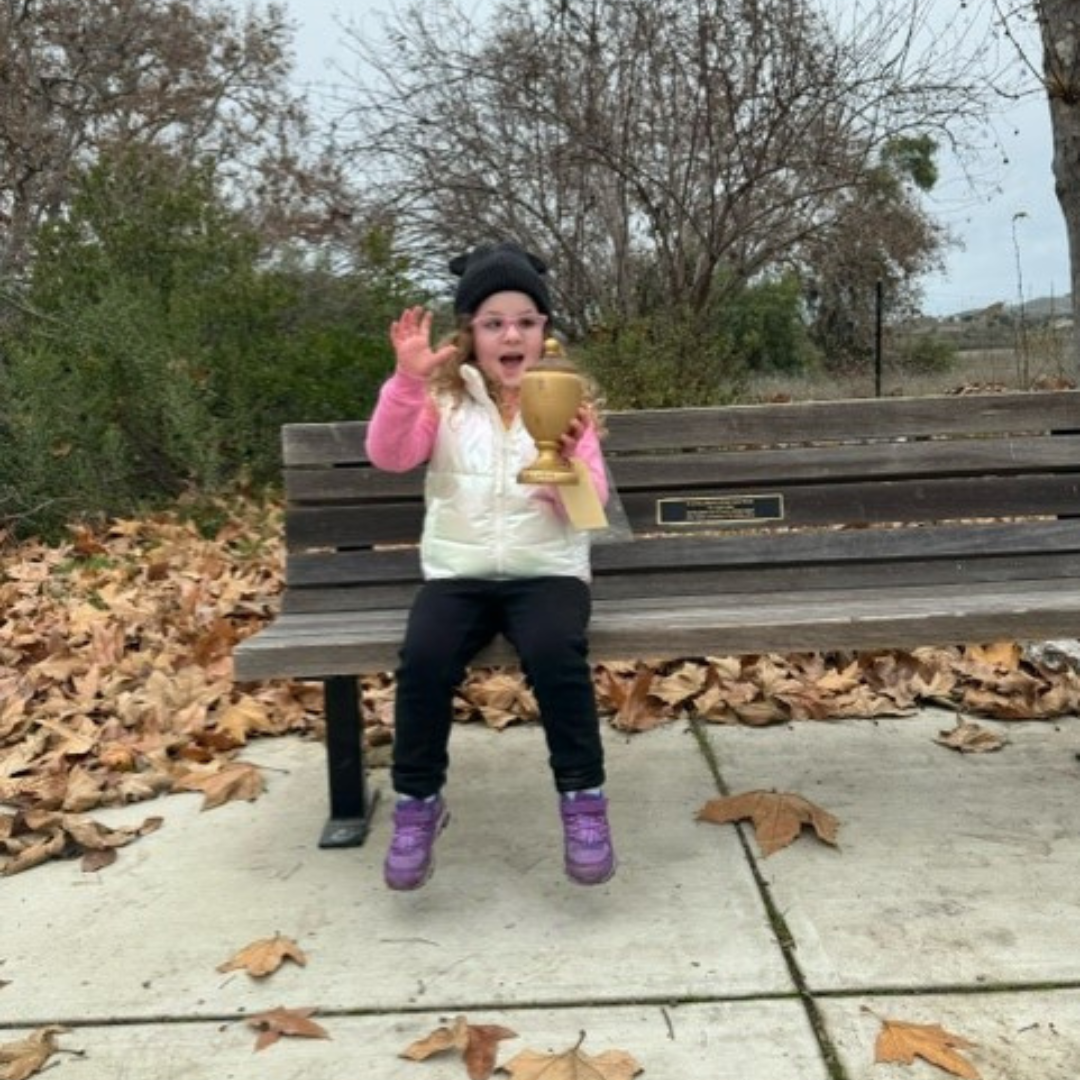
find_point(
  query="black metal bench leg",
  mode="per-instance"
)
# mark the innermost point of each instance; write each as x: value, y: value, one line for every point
x: 352, y: 804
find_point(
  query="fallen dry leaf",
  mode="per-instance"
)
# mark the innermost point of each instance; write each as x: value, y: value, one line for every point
x: 93, y: 861
x: 778, y: 817
x: 971, y: 738
x: 274, y: 1023
x: 24, y: 1057
x: 224, y: 782
x: 477, y: 1043
x: 901, y: 1042
x: 572, y: 1064
x: 501, y: 698
x: 1000, y: 654
x: 635, y: 708
x: 265, y: 956
x: 31, y: 837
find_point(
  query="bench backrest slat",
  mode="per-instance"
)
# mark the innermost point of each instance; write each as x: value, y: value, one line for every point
x: 878, y: 461
x: 794, y: 562
x: 763, y: 425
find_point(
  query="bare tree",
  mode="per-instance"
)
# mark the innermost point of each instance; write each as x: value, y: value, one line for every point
x: 1058, y: 77
x: 644, y: 145
x: 1059, y: 25
x: 193, y: 76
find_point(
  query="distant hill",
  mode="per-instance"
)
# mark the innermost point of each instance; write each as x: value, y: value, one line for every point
x: 1046, y: 307
x: 1039, y: 308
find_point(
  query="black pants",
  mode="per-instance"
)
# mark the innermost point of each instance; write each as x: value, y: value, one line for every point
x: 545, y: 619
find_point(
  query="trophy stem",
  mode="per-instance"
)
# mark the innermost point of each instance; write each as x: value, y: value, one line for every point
x: 548, y: 468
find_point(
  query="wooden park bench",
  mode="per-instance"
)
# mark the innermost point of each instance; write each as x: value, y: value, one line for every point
x: 849, y: 525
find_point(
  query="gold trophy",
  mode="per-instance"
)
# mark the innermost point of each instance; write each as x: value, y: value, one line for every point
x: 550, y: 397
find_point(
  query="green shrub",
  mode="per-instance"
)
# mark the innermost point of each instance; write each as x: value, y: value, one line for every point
x: 681, y: 357
x: 926, y: 354
x: 157, y: 354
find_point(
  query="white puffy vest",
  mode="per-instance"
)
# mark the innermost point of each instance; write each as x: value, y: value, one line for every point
x: 480, y: 521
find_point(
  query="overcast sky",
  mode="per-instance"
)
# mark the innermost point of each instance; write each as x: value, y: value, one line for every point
x: 1015, y: 215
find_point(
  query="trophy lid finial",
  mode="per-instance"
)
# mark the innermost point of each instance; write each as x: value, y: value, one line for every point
x: 553, y: 349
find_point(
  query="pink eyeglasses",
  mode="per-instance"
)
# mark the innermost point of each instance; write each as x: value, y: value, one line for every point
x: 499, y: 325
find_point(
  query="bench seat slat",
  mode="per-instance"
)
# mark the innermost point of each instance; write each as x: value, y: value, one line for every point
x: 748, y: 582
x: 354, y: 643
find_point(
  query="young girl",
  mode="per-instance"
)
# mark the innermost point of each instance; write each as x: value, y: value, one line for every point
x: 498, y: 557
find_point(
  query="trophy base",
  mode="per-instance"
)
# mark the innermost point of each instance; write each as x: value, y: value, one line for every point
x: 535, y: 474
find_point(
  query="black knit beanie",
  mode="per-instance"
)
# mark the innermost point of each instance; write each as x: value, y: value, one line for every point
x: 493, y: 268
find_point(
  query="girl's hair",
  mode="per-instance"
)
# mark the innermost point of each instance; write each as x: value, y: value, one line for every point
x: 447, y: 381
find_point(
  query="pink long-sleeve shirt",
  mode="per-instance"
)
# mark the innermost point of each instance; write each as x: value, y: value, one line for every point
x: 401, y: 433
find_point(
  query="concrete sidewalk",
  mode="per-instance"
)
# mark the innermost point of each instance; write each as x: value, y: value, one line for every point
x: 952, y: 899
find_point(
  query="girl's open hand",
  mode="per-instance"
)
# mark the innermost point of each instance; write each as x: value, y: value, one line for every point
x: 411, y: 337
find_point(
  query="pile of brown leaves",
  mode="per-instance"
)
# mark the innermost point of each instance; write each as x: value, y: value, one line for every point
x: 116, y: 672
x: 997, y: 680
x: 116, y: 679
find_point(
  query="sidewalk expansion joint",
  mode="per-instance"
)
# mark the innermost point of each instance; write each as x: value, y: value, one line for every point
x: 827, y: 1048
x: 950, y: 990
x: 662, y: 1002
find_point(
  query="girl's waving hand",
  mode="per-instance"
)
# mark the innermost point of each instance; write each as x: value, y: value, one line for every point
x: 411, y: 337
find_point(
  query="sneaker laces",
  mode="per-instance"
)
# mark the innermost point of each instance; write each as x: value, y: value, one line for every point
x: 587, y: 825
x: 413, y: 827
x: 408, y: 837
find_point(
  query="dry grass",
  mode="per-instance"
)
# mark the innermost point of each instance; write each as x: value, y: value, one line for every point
x: 992, y: 370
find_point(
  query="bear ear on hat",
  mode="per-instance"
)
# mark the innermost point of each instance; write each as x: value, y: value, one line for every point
x: 538, y: 264
x: 460, y: 263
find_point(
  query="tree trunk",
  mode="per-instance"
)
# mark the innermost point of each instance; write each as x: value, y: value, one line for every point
x: 1059, y: 23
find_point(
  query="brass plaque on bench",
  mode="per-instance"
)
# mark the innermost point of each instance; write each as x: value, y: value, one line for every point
x: 720, y: 510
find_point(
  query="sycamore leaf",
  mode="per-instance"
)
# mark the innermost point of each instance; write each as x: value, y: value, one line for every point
x: 93, y: 861
x: 265, y: 956
x: 573, y: 1064
x: 502, y: 698
x: 32, y: 837
x: 93, y: 836
x: 225, y: 783
x: 24, y: 1057
x: 902, y: 1042
x: 477, y: 1043
x: 778, y: 817
x: 1000, y: 654
x: 83, y: 791
x: 971, y: 738
x: 274, y: 1023
x: 239, y: 720
x: 438, y: 1041
x: 676, y: 689
x: 30, y: 850
x: 636, y: 709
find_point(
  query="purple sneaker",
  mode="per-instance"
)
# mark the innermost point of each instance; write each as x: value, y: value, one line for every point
x: 590, y: 858
x: 411, y: 857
